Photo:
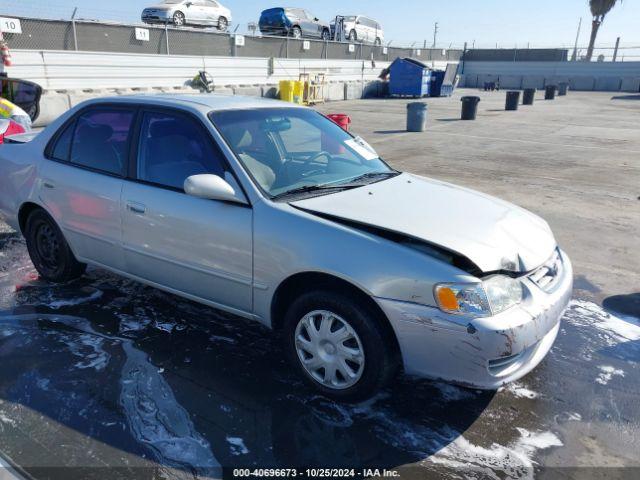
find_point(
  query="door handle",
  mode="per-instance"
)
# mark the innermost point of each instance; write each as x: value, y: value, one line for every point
x: 48, y: 185
x: 136, y: 208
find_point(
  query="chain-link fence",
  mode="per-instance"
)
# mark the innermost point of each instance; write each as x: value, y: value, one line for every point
x: 40, y: 34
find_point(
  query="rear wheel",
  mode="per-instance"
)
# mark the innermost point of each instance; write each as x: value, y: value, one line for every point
x: 223, y: 23
x: 378, y: 42
x: 49, y: 250
x: 325, y: 35
x: 353, y: 36
x: 296, y: 32
x: 178, y: 19
x: 338, y: 345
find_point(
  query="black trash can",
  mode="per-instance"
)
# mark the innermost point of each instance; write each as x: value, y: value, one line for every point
x: 550, y: 92
x: 562, y: 89
x: 513, y: 99
x: 469, y: 107
x: 416, y: 117
x: 528, y: 96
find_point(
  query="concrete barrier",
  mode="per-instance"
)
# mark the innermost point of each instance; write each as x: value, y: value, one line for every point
x: 585, y: 83
x: 510, y: 81
x: 52, y: 105
x: 248, y: 90
x: 334, y: 91
x: 533, y: 81
x: 630, y: 84
x: 608, y: 84
x: 353, y: 90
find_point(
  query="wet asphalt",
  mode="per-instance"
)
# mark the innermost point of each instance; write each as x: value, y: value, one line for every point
x: 104, y: 372
x: 106, y: 378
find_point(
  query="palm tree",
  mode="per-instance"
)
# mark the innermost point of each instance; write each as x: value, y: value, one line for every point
x: 599, y: 8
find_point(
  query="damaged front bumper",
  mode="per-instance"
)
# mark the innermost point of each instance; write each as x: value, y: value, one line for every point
x: 481, y: 352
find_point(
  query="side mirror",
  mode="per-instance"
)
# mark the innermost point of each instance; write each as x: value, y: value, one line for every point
x: 188, y: 4
x: 316, y: 19
x: 211, y: 187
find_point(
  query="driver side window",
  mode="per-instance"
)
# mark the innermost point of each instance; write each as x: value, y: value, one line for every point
x: 173, y: 147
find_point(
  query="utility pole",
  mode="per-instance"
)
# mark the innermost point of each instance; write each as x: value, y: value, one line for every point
x: 574, y: 57
x: 615, y: 51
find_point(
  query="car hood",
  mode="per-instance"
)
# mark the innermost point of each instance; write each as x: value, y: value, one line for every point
x: 493, y: 234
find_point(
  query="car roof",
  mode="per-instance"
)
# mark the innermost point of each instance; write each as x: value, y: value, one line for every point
x: 203, y: 102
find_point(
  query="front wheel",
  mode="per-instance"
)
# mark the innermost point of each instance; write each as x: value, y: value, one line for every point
x: 338, y: 345
x: 296, y: 32
x: 178, y: 19
x: 325, y: 35
x: 223, y: 23
x: 378, y: 42
x: 49, y: 250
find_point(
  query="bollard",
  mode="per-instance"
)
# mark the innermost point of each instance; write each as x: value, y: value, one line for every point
x: 469, y: 107
x: 416, y: 117
x: 513, y: 98
x: 528, y: 96
x: 550, y: 92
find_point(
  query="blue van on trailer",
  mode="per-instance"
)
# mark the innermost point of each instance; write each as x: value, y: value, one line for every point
x: 409, y: 78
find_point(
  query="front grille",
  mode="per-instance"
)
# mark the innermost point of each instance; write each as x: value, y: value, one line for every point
x: 499, y: 366
x: 546, y: 277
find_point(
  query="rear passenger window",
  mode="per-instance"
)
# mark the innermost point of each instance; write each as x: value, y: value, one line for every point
x: 62, y: 148
x: 100, y: 141
x: 174, y: 147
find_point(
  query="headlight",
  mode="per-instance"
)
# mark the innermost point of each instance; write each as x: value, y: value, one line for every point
x: 494, y: 295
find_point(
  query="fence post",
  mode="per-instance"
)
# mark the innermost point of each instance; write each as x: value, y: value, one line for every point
x: 73, y: 27
x: 166, y: 36
x: 286, y: 49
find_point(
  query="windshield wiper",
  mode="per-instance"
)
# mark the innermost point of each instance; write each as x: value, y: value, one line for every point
x: 311, y: 188
x: 353, y: 182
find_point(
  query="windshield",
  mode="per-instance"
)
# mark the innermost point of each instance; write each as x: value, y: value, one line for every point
x: 172, y: 2
x: 285, y: 149
x: 350, y: 19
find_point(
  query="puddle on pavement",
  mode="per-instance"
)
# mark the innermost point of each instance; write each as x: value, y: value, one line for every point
x: 132, y: 373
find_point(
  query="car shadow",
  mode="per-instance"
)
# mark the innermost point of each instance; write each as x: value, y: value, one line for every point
x: 626, y: 97
x: 193, y: 389
x: 389, y: 132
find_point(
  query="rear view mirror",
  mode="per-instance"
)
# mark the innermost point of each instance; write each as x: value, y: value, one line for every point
x: 281, y: 125
x: 24, y: 94
x: 211, y: 187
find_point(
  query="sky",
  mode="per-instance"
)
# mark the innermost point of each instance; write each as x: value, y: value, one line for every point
x: 507, y: 23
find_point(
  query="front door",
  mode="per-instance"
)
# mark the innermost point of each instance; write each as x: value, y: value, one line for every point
x: 197, y: 247
x: 82, y: 182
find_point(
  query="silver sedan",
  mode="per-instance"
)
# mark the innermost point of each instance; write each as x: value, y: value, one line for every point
x: 207, y: 13
x: 272, y: 212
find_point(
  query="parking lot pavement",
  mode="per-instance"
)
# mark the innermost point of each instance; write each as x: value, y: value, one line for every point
x: 104, y: 372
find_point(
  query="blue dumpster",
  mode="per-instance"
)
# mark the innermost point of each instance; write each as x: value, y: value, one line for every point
x: 409, y: 78
x: 442, y: 82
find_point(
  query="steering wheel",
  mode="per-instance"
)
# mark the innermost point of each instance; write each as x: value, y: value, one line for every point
x: 321, y: 153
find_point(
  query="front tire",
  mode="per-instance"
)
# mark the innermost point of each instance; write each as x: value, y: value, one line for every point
x: 223, y: 23
x: 178, y: 19
x: 338, y: 345
x: 325, y: 35
x: 296, y: 32
x: 377, y: 42
x: 49, y: 251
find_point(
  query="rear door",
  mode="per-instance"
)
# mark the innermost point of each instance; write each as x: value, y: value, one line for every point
x: 198, y: 247
x: 83, y: 178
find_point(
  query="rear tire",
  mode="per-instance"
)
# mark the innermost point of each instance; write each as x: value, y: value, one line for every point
x: 49, y: 251
x: 353, y: 36
x: 351, y: 358
x: 377, y: 42
x: 296, y: 32
x: 326, y: 35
